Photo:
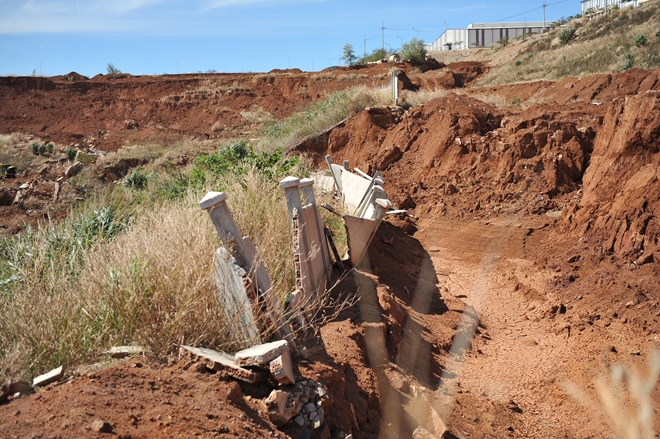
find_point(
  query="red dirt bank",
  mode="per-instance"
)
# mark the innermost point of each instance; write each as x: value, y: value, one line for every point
x: 535, y: 230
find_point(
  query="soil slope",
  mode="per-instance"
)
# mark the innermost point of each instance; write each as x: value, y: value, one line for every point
x: 528, y: 264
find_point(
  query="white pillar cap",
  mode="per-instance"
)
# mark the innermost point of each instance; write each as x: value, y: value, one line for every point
x: 289, y: 182
x: 211, y: 199
x: 306, y: 182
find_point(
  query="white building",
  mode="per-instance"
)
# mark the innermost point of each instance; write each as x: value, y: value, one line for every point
x: 601, y: 4
x: 479, y: 35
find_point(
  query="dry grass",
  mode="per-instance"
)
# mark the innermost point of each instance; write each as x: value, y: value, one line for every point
x: 99, y: 279
x: 320, y: 116
x: 625, y: 399
x: 409, y: 98
x: 599, y: 46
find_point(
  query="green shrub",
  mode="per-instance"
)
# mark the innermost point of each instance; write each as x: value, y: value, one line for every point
x: 49, y: 148
x: 413, y: 51
x: 34, y: 147
x: 136, y: 180
x: 42, y: 149
x: 70, y: 153
x: 517, y: 63
x: 640, y: 40
x: 503, y: 42
x: 566, y: 35
x: 628, y: 61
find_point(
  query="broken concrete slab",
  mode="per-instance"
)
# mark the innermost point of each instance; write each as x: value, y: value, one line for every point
x: 124, y: 351
x: 281, y: 369
x: 219, y: 361
x: 50, y: 377
x: 11, y: 387
x: 262, y: 354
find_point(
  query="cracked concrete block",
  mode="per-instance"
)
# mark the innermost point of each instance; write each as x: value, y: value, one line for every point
x: 262, y: 354
x: 219, y: 361
x: 282, y: 369
x: 124, y: 351
x: 50, y: 377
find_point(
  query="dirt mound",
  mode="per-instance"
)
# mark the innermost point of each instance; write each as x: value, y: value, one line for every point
x: 619, y: 202
x: 132, y: 109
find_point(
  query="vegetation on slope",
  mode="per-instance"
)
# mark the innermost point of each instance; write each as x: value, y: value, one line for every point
x: 628, y: 37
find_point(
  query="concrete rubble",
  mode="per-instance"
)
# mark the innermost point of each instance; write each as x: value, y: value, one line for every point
x: 50, y: 377
x: 124, y: 351
x: 245, y: 288
x: 303, y: 403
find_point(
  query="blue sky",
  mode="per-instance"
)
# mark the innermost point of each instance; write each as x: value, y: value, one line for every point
x: 55, y: 37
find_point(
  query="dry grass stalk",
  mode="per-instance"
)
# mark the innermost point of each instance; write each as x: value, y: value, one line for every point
x: 625, y: 399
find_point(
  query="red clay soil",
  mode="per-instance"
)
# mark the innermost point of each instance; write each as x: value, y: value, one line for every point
x: 107, y: 112
x: 527, y: 267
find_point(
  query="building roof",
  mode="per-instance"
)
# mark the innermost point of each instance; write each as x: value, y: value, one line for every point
x: 514, y: 24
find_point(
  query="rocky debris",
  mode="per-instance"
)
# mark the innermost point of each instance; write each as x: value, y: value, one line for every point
x: 12, y: 387
x: 219, y: 361
x: 124, y: 351
x: 303, y: 403
x: 261, y: 355
x: 50, y: 377
x: 101, y: 426
x: 282, y: 369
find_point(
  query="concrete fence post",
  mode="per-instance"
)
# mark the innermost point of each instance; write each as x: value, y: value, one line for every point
x: 307, y: 187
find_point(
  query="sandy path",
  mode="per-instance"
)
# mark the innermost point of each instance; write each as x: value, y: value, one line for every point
x: 519, y: 359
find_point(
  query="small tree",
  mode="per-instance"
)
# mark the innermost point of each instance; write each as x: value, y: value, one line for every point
x: 112, y: 70
x: 413, y: 51
x: 349, y: 55
x: 640, y: 40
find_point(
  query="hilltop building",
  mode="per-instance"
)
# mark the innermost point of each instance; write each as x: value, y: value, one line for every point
x: 480, y: 35
x: 594, y: 5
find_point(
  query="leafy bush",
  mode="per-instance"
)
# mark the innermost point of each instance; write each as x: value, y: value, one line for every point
x: 566, y: 35
x: 70, y: 153
x: 517, y: 63
x: 49, y: 148
x: 376, y: 55
x: 628, y: 61
x: 34, y: 148
x: 136, y: 180
x: 503, y: 42
x: 237, y: 159
x: 640, y: 40
x: 413, y: 51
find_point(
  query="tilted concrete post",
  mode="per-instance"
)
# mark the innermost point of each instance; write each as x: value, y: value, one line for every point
x: 223, y: 220
x: 291, y: 186
x: 307, y: 188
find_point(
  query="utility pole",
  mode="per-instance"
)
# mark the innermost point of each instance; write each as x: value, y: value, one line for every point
x: 605, y: 7
x: 382, y: 28
x: 544, y: 5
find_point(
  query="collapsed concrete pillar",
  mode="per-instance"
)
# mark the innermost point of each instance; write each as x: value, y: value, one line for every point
x: 248, y: 259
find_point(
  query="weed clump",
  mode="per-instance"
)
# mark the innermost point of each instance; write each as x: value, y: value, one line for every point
x: 566, y: 35
x: 640, y: 40
x: 628, y: 62
x: 136, y: 180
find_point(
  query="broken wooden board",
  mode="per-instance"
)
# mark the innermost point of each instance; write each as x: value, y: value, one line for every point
x: 219, y: 361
